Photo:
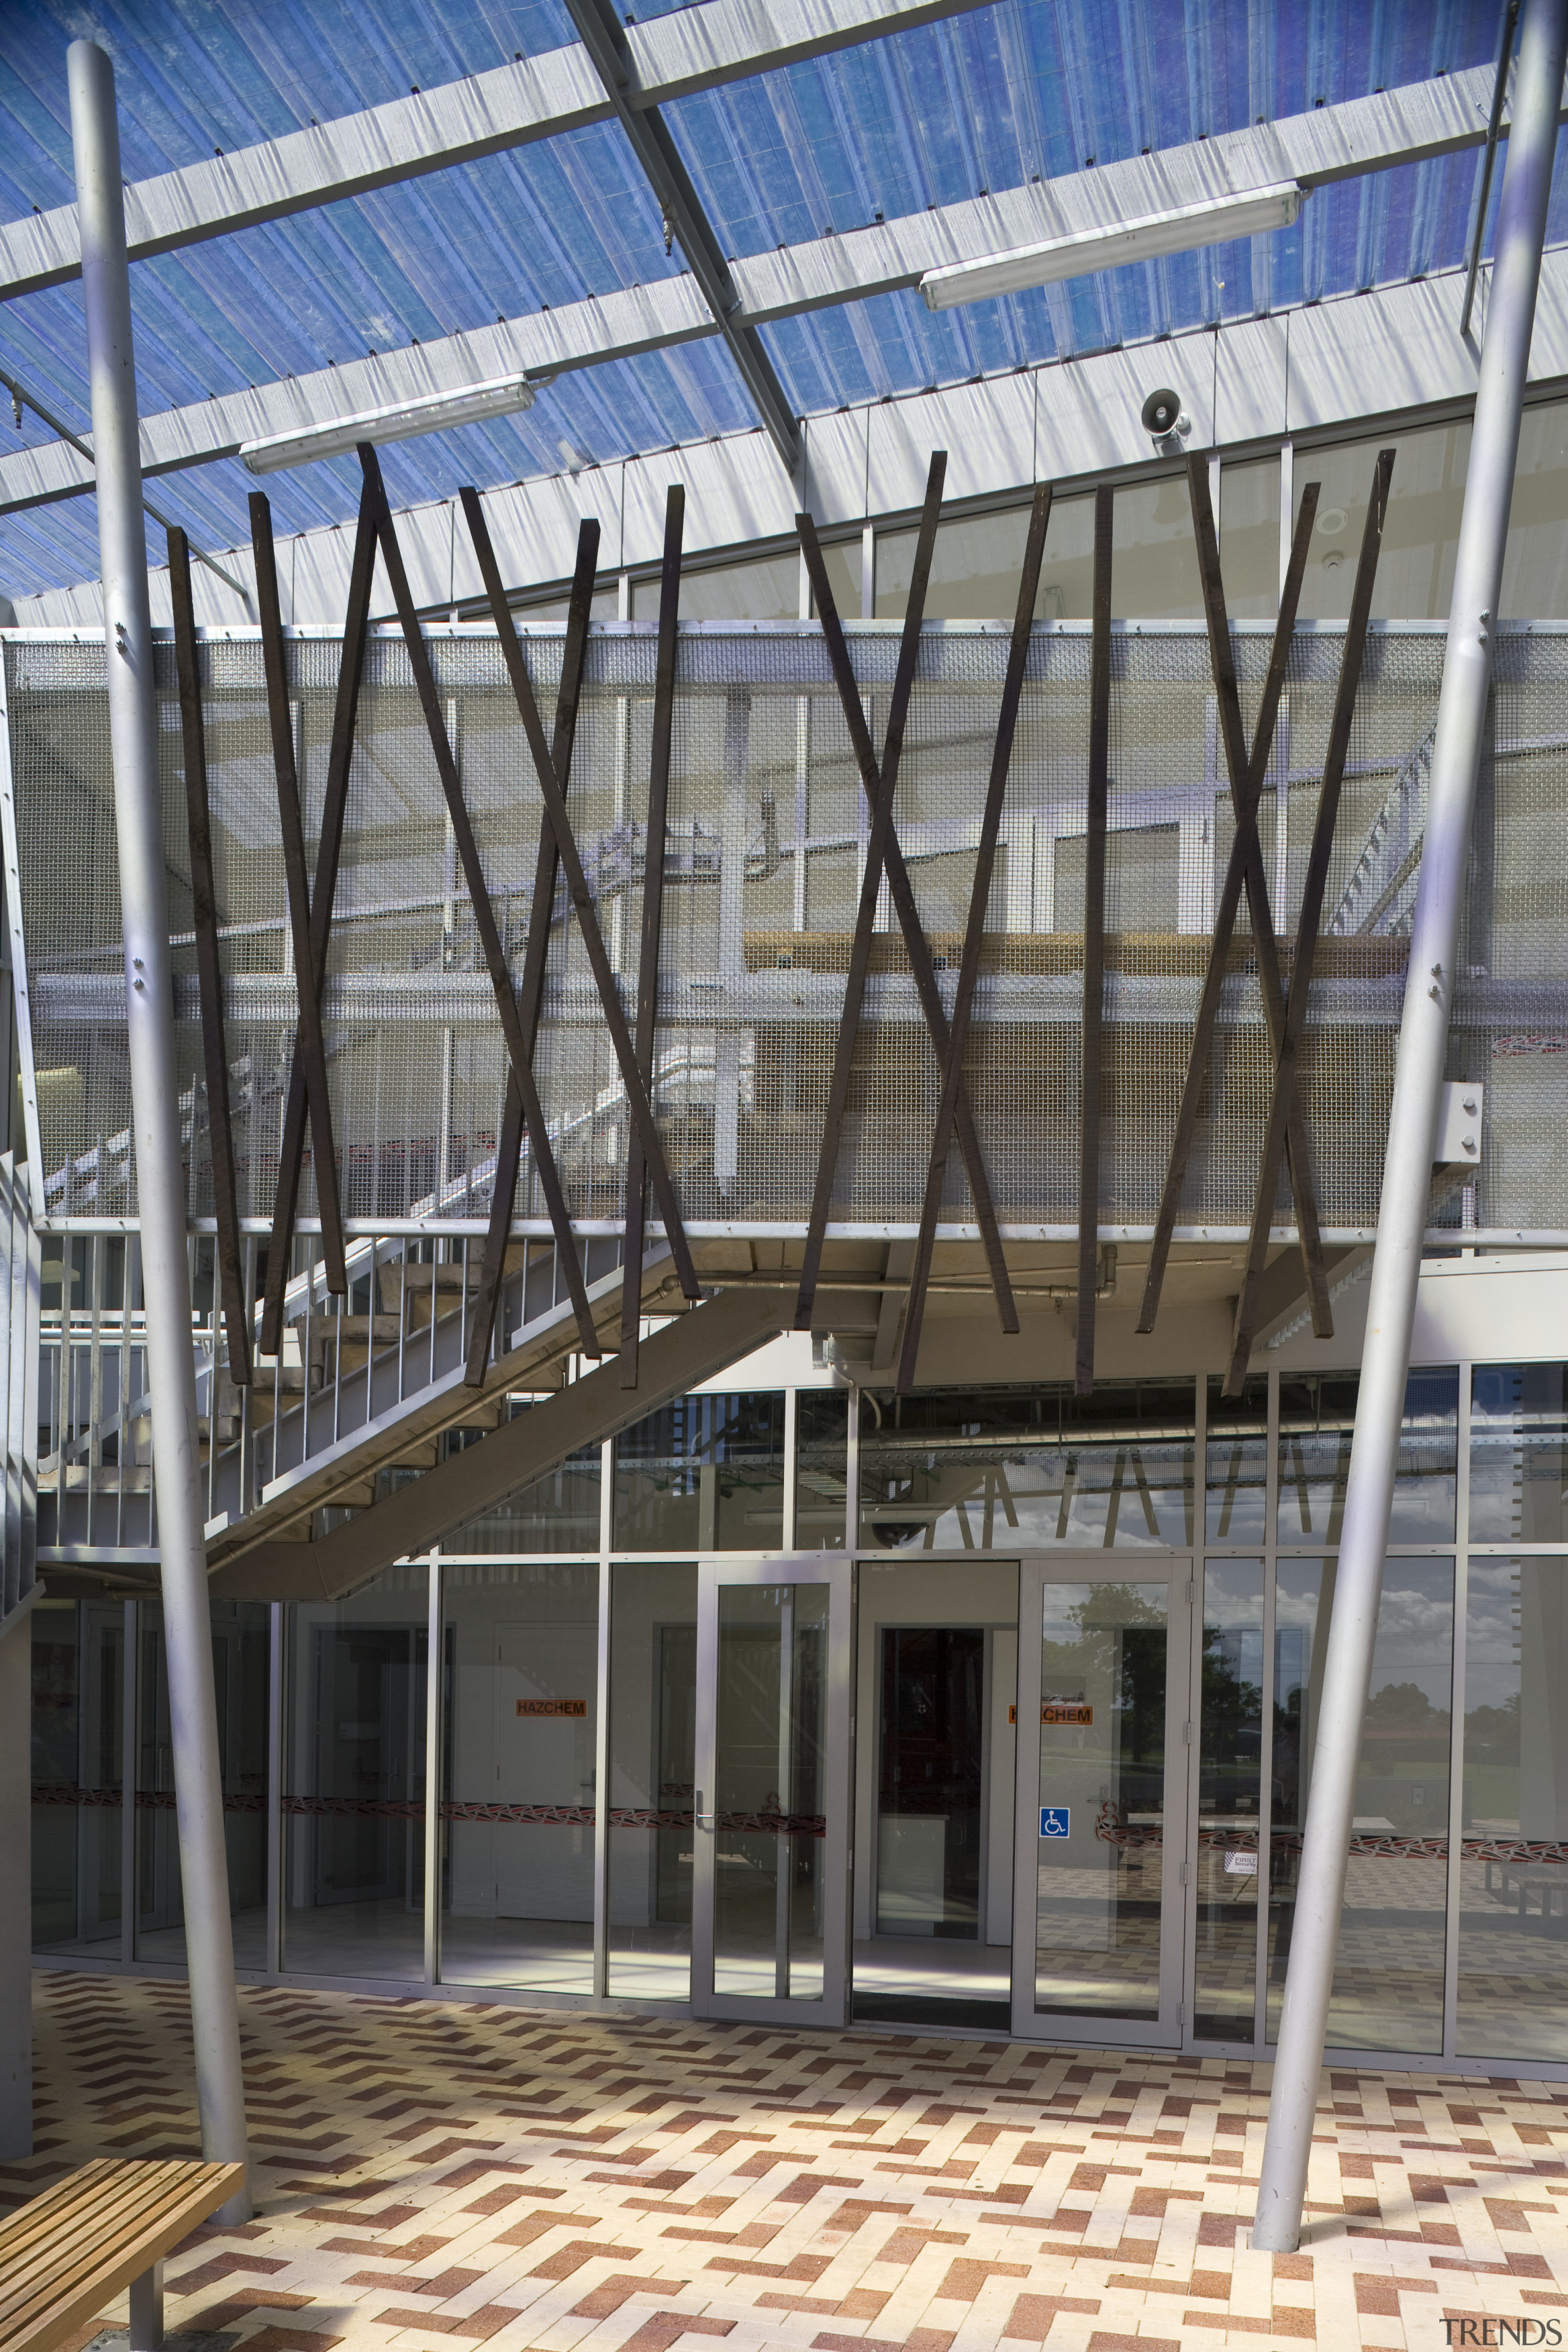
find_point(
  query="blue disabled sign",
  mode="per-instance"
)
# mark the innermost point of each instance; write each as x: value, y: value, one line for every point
x: 1056, y: 1820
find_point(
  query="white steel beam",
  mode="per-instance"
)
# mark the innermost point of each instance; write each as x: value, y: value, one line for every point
x: 1369, y: 134
x: 672, y: 56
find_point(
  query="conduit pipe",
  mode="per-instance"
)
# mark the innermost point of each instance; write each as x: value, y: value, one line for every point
x: 1411, y: 1125
x: 155, y: 1094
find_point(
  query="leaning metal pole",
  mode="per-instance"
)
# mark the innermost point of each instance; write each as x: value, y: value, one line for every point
x: 155, y: 1094
x: 1407, y: 1162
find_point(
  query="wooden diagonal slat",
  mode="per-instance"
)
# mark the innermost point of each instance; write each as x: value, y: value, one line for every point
x: 1284, y: 1096
x: 638, y: 1104
x: 974, y: 932
x: 652, y: 921
x: 881, y: 790
x: 1092, y: 1050
x: 531, y: 988
x: 1246, y: 856
x: 334, y: 809
x: 916, y: 945
x: 310, y: 1044
x: 210, y: 967
x: 1303, y: 1183
x: 479, y: 899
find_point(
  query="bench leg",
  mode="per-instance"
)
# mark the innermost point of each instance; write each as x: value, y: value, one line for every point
x: 147, y: 2311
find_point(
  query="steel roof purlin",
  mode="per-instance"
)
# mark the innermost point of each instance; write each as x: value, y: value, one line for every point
x: 695, y: 49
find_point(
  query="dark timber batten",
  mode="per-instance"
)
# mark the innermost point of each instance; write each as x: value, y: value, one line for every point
x: 334, y: 809
x: 531, y: 990
x: 1282, y: 1104
x: 311, y: 1048
x: 652, y: 921
x: 879, y: 782
x: 1244, y: 868
x: 1094, y: 942
x: 974, y: 936
x: 209, y: 969
x: 484, y: 913
x: 553, y: 788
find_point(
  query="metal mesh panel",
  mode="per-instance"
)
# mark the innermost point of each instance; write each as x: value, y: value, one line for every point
x: 765, y: 845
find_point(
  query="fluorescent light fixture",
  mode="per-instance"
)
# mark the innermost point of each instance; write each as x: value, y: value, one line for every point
x: 1218, y: 219
x: 431, y: 412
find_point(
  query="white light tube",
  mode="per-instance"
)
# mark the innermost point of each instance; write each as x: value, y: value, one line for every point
x: 431, y: 412
x: 1211, y: 222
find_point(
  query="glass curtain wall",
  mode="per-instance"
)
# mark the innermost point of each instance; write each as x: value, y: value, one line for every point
x: 353, y: 1780
x: 1455, y: 1933
x: 1016, y: 1469
x: 241, y: 1650
x: 1512, y: 1989
x: 520, y: 1671
x: 652, y: 1707
x: 78, y: 1764
x: 1273, y: 1512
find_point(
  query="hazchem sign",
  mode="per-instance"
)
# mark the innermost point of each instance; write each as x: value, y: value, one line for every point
x: 553, y: 1707
x: 1065, y: 1711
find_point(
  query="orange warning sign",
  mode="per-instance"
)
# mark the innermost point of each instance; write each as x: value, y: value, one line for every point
x: 553, y: 1707
x: 1065, y: 1711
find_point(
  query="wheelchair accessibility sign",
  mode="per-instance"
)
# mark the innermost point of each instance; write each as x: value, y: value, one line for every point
x: 1056, y: 1820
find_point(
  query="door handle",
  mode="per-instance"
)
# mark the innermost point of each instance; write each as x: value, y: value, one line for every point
x: 704, y: 1821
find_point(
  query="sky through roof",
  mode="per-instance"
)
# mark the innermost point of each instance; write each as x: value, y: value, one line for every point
x: 981, y: 102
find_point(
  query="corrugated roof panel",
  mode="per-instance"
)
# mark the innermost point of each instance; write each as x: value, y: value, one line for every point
x: 929, y: 116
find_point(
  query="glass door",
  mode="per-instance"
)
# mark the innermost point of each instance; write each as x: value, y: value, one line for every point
x: 771, y: 1846
x: 1103, y: 1676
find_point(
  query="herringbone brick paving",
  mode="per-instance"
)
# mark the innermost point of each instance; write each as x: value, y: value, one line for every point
x: 434, y: 2177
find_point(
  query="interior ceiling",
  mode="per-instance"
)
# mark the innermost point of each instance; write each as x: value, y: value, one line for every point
x: 983, y: 101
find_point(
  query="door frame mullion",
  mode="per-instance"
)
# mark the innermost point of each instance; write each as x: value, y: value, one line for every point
x: 1177, y: 1571
x: 836, y: 1569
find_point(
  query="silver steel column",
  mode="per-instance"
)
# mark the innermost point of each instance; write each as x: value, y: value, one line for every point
x: 1407, y: 1164
x: 154, y: 1081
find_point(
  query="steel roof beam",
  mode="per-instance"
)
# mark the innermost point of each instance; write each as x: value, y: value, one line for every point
x: 605, y: 38
x: 673, y: 57
x: 1334, y: 142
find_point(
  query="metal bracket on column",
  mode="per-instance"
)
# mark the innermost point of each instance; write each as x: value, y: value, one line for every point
x: 974, y: 932
x: 883, y: 852
x: 1284, y: 1094
x: 310, y: 1044
x: 209, y: 968
x: 334, y: 809
x: 479, y: 899
x: 1244, y: 869
x: 531, y: 988
x: 652, y: 922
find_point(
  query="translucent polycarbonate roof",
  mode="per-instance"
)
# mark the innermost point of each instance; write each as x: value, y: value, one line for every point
x: 981, y: 103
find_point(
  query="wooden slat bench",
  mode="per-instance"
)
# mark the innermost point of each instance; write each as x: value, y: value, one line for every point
x: 65, y: 2254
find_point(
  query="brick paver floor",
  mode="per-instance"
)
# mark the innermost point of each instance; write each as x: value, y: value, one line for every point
x: 434, y: 2177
